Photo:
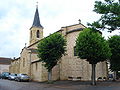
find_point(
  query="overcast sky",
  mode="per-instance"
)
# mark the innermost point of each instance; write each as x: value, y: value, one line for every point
x: 16, y: 18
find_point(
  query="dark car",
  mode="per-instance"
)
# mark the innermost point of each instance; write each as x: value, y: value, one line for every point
x: 110, y: 76
x: 5, y: 75
x: 22, y: 77
x: 12, y: 76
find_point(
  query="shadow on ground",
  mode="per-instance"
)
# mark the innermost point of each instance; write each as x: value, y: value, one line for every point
x: 98, y: 83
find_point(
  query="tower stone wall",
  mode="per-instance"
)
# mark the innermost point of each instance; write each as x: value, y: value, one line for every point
x: 34, y: 33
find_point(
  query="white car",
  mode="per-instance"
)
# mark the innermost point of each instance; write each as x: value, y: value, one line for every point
x: 22, y: 77
x: 12, y: 76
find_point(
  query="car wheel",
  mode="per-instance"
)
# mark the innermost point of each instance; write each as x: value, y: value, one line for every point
x: 15, y: 79
x: 18, y: 80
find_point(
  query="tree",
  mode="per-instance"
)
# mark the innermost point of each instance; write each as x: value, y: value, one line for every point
x: 110, y: 15
x: 50, y: 50
x: 114, y: 43
x: 91, y: 46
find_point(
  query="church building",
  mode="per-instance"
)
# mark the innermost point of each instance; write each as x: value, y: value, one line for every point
x: 69, y: 67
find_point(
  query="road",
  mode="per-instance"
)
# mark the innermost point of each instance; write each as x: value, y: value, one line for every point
x: 59, y: 85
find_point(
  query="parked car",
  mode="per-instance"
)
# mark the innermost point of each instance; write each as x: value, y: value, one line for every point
x: 22, y: 77
x: 12, y: 76
x: 5, y: 75
x: 110, y: 76
x: 0, y: 76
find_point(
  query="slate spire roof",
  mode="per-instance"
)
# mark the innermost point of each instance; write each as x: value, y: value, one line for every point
x: 36, y: 21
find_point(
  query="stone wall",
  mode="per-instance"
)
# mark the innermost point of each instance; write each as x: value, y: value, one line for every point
x: 25, y: 61
x: 15, y: 66
x: 36, y: 70
x: 4, y: 68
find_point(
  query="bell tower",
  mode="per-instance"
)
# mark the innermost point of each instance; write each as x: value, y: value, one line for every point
x: 36, y: 31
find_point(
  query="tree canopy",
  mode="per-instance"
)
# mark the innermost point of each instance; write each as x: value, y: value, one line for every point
x: 110, y: 15
x: 92, y: 46
x: 114, y: 43
x: 50, y: 50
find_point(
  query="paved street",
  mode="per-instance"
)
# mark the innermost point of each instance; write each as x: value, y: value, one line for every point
x: 59, y: 85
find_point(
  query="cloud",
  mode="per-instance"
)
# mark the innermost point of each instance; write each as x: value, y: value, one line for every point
x: 13, y: 23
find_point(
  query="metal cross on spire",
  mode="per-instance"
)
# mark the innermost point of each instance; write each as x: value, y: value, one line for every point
x: 25, y: 44
x: 79, y: 21
x: 37, y: 4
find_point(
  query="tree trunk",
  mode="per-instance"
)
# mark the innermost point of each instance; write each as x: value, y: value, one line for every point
x: 49, y: 76
x: 93, y: 74
x: 115, y: 75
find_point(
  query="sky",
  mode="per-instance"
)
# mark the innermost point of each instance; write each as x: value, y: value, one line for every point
x: 16, y: 18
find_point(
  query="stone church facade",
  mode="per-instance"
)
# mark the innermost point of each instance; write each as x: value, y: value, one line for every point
x: 69, y: 67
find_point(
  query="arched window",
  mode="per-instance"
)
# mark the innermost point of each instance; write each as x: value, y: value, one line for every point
x: 38, y: 34
x: 30, y: 34
x: 75, y: 53
x: 23, y: 62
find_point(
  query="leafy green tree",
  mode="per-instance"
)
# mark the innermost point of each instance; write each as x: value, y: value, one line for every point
x: 114, y: 43
x: 110, y: 15
x: 91, y: 46
x: 50, y: 50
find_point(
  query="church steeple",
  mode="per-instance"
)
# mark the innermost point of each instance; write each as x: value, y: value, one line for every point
x: 36, y: 21
x: 36, y: 31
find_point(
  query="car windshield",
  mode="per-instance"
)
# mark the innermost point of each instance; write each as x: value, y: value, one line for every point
x: 24, y: 74
x: 7, y: 73
x: 13, y: 74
